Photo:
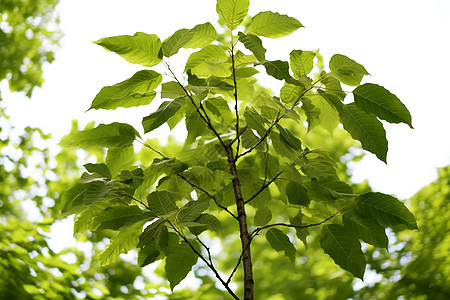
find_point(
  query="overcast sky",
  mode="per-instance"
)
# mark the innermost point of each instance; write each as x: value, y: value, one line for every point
x: 404, y: 45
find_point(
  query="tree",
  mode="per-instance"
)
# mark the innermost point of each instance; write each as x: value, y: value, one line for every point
x: 28, y: 38
x: 242, y: 163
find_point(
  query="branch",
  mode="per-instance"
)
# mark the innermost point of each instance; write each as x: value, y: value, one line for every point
x: 209, y: 195
x: 278, y: 118
x: 210, y: 265
x: 205, y: 116
x: 257, y: 230
x: 151, y: 148
x: 265, y: 185
x: 235, y: 102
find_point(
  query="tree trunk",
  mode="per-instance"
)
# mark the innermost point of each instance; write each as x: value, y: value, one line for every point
x: 245, y: 237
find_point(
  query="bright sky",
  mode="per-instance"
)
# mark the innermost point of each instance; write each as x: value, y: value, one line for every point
x: 404, y: 44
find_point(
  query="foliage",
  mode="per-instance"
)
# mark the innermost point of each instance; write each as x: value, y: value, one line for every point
x: 418, y: 265
x: 245, y: 160
x: 28, y: 36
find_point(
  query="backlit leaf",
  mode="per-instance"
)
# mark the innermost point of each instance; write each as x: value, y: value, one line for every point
x: 141, y: 48
x: 192, y: 210
x: 253, y: 43
x: 290, y: 93
x: 365, y: 128
x: 375, y: 99
x: 204, y: 34
x: 280, y: 242
x: 302, y: 62
x: 165, y: 111
x: 209, y: 61
x: 272, y: 25
x: 123, y: 242
x: 366, y: 228
x: 344, y: 248
x: 138, y: 90
x: 206, y: 222
x: 179, y: 263
x: 263, y: 216
x: 161, y: 203
x: 297, y: 194
x: 347, y: 70
x: 386, y: 209
x: 112, y: 135
x: 232, y: 12
x: 119, y: 217
x: 176, y: 41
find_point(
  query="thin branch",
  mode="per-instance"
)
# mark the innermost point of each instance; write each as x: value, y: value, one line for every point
x: 238, y: 135
x: 257, y: 230
x: 210, y: 266
x: 209, y: 195
x: 207, y: 250
x: 278, y: 118
x: 236, y: 267
x: 264, y: 186
x: 204, y: 117
x: 151, y: 148
x: 235, y: 102
x: 132, y: 198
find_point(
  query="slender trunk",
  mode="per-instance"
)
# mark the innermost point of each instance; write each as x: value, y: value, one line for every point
x: 245, y: 237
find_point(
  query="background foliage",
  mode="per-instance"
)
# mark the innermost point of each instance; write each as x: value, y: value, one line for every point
x: 317, y: 277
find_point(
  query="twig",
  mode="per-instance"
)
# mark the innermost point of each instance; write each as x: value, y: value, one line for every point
x: 151, y: 148
x: 209, y: 195
x: 204, y: 117
x: 257, y: 230
x: 278, y: 118
x: 235, y: 102
x: 265, y: 185
x: 213, y: 269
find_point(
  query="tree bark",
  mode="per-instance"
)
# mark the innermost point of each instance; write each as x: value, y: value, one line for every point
x: 245, y: 237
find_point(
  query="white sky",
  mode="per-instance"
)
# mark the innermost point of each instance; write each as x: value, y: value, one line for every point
x: 404, y: 44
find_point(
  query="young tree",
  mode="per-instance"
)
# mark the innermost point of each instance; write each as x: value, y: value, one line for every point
x: 243, y: 156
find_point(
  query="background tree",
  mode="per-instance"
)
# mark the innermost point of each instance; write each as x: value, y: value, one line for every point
x: 239, y: 159
x: 28, y: 39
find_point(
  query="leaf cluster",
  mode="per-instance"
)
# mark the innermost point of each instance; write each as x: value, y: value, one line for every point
x: 243, y: 153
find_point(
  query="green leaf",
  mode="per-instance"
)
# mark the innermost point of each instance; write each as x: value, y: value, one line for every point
x: 123, y: 242
x: 179, y: 263
x: 135, y: 91
x: 366, y: 228
x: 204, y: 34
x: 343, y: 248
x: 387, y: 210
x: 373, y: 98
x: 192, y: 210
x: 365, y: 128
x: 176, y: 41
x: 165, y: 111
x: 206, y: 222
x: 254, y: 44
x: 148, y: 255
x: 255, y: 120
x: 272, y: 25
x: 277, y: 69
x: 302, y: 62
x: 328, y: 117
x: 119, y: 217
x: 150, y: 233
x: 346, y: 70
x: 112, y: 135
x: 210, y: 181
x: 263, y: 216
x: 290, y: 93
x: 209, y: 61
x: 100, y: 169
x: 232, y: 12
x: 280, y: 242
x: 161, y: 203
x: 172, y: 90
x: 297, y: 194
x: 141, y: 48
x: 328, y: 189
x: 289, y: 138
x: 119, y: 158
